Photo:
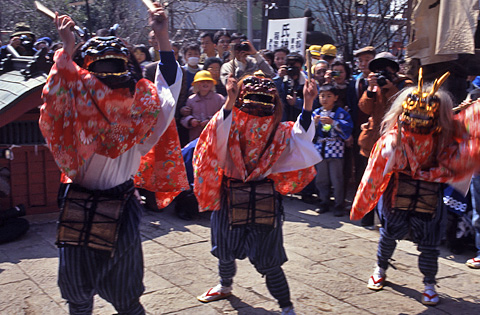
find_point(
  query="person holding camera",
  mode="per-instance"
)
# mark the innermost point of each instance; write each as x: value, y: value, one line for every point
x: 339, y: 77
x: 280, y: 57
x: 246, y: 60
x: 384, y: 81
x: 289, y: 82
x: 21, y: 41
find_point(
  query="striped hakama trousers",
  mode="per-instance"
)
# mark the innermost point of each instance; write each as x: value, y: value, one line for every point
x: 84, y: 272
x: 262, y: 245
x: 422, y: 217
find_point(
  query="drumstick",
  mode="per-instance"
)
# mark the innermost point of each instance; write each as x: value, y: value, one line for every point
x: 149, y: 4
x: 152, y: 8
x: 232, y: 55
x: 43, y: 9
x: 308, y: 55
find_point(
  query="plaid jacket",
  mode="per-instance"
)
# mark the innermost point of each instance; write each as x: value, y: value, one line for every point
x: 331, y: 143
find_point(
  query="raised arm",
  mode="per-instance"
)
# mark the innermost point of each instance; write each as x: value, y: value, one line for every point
x: 64, y: 25
x: 159, y: 23
x: 232, y: 91
x: 310, y: 92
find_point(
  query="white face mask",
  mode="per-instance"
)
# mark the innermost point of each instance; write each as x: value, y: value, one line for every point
x: 193, y: 61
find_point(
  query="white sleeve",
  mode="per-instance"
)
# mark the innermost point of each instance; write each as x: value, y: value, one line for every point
x: 300, y: 152
x: 168, y: 96
x: 223, y: 131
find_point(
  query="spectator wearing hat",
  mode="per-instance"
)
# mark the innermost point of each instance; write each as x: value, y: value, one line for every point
x: 383, y: 82
x: 328, y: 53
x: 202, y: 105
x: 21, y: 42
x: 315, y: 52
x: 43, y: 42
x: 289, y: 82
x: 356, y: 88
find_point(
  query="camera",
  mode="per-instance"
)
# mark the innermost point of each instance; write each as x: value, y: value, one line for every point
x: 290, y: 91
x: 382, y: 77
x: 293, y: 71
x: 26, y: 42
x: 336, y: 74
x: 242, y: 47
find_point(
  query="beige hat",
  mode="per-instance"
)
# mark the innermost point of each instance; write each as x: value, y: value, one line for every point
x: 22, y: 28
x: 364, y: 50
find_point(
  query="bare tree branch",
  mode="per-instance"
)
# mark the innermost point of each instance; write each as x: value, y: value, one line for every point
x: 355, y: 23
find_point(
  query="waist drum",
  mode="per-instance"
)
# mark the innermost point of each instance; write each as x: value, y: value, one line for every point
x: 416, y: 195
x: 251, y: 203
x: 92, y: 218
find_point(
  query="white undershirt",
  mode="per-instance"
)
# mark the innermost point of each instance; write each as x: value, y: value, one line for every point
x: 299, y: 154
x: 101, y: 172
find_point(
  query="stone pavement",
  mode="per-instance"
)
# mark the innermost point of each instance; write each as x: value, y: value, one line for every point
x: 330, y: 260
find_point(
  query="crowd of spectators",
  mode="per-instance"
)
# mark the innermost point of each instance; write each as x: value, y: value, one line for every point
x: 362, y: 93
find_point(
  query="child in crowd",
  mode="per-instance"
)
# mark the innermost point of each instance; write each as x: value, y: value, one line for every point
x: 191, y: 52
x: 202, y: 105
x: 333, y: 127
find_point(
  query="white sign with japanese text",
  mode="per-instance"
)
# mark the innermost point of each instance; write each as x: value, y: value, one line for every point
x: 289, y: 33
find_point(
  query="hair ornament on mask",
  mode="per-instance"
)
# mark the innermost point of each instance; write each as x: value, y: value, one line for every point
x: 420, y: 108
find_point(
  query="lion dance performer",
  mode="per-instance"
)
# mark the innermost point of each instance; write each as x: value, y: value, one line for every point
x: 244, y: 160
x: 98, y: 119
x: 422, y: 145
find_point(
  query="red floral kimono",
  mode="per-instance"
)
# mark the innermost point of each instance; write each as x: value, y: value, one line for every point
x: 254, y: 150
x: 162, y: 170
x: 82, y: 117
x: 456, y: 161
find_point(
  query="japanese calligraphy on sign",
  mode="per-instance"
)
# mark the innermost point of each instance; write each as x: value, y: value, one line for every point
x: 289, y: 33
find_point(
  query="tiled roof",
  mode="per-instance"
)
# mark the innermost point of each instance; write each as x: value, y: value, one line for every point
x: 14, y: 86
